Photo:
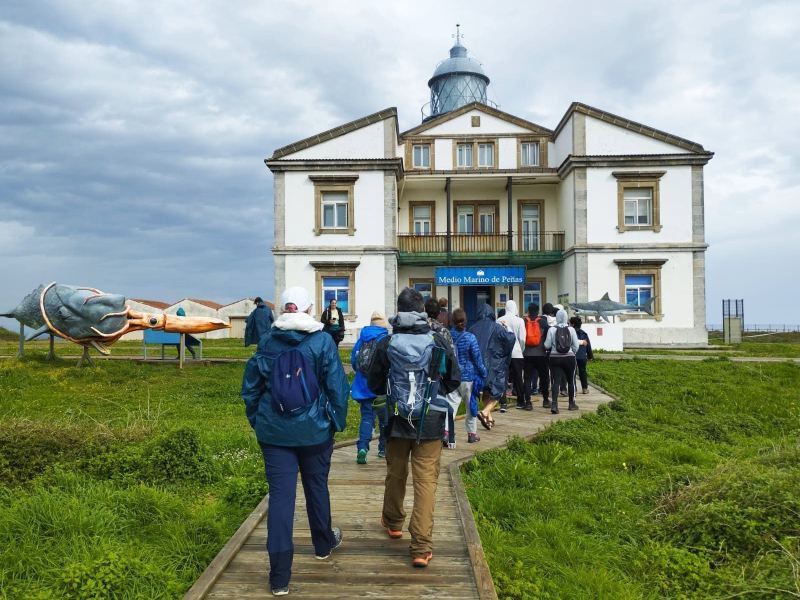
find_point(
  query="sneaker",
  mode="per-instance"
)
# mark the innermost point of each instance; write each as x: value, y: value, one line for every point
x: 284, y: 591
x: 422, y: 561
x: 573, y: 406
x: 451, y: 445
x: 546, y: 404
x: 503, y: 408
x: 337, y: 537
x: 472, y: 438
x: 361, y: 458
x: 520, y: 406
x: 395, y: 535
x: 585, y: 391
x: 381, y: 454
x: 554, y: 410
x: 535, y: 391
x: 529, y: 406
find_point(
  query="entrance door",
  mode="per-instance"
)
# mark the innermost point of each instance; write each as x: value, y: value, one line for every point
x: 473, y: 298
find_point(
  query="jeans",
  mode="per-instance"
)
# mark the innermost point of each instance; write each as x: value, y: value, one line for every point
x: 563, y: 368
x: 582, y: 372
x: 281, y: 464
x: 368, y: 413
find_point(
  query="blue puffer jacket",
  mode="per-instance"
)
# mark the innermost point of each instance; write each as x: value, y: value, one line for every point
x: 315, y: 425
x: 469, y: 355
x: 359, y: 390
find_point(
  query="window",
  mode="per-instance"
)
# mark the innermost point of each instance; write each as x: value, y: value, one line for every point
x: 638, y: 289
x: 424, y: 287
x: 638, y: 206
x: 465, y: 155
x: 334, y: 210
x: 422, y: 157
x: 529, y: 154
x: 466, y: 219
x: 529, y: 223
x: 532, y: 292
x: 638, y: 200
x: 422, y: 220
x: 336, y: 288
x: 486, y: 219
x: 485, y: 155
x: 334, y: 199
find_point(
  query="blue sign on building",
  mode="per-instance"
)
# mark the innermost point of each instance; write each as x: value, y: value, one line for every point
x: 480, y: 275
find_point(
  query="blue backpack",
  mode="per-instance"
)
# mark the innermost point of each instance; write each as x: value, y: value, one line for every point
x: 294, y: 383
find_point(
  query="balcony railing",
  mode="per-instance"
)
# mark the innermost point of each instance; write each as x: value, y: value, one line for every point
x: 548, y: 241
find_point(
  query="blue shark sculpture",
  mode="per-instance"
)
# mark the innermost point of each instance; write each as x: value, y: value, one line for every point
x: 92, y: 318
x: 606, y: 306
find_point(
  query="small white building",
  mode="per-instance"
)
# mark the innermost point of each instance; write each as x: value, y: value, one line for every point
x: 480, y: 206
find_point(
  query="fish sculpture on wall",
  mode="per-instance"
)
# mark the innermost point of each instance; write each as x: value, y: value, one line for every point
x: 92, y: 318
x: 606, y: 306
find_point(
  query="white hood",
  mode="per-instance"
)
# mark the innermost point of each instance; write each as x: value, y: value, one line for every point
x: 511, y: 308
x: 299, y: 321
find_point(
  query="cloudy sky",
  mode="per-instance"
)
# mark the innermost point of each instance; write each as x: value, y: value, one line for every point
x: 132, y: 134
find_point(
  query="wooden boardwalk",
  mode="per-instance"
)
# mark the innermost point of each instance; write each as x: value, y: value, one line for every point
x: 368, y: 564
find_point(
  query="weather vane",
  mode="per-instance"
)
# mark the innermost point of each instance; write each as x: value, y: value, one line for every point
x: 458, y: 35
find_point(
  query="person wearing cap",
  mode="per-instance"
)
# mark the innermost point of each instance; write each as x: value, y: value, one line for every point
x: 301, y: 441
x: 371, y: 405
x: 258, y: 322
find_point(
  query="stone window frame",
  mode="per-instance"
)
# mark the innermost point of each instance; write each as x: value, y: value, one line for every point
x: 475, y: 141
x: 641, y: 267
x: 335, y: 269
x: 411, y: 205
x: 638, y: 179
x: 409, y: 151
x: 523, y: 310
x: 542, y: 141
x: 334, y: 183
x: 520, y: 203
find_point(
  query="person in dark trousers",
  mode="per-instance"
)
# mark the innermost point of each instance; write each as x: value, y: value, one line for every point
x: 258, y: 323
x: 535, y: 357
x: 182, y: 313
x: 302, y: 441
x: 562, y: 360
x: 584, y: 352
x: 372, y: 407
x: 444, y: 316
x: 421, y: 442
x: 515, y: 325
x: 333, y: 322
x: 433, y: 312
x: 529, y: 371
x: 496, y: 345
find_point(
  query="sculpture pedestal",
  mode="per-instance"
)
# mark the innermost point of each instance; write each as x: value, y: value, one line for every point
x: 604, y: 336
x: 85, y: 358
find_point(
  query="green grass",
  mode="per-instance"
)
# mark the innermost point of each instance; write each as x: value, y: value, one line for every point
x: 7, y: 335
x: 688, y: 487
x: 126, y: 478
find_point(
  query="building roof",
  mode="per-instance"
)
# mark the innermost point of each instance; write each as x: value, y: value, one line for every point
x: 336, y: 132
x: 459, y: 63
x: 626, y: 124
x: 153, y: 303
x: 495, y: 112
x: 208, y: 303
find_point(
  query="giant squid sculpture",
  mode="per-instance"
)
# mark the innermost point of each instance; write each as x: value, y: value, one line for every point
x: 92, y: 318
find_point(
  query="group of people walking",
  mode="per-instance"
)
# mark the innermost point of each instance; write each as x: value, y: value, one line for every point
x: 412, y: 372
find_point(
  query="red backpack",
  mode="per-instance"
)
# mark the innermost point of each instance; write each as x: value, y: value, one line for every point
x: 533, y: 333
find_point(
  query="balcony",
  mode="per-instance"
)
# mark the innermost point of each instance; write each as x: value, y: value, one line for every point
x: 529, y: 250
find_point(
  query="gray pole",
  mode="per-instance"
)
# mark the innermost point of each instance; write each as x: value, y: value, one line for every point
x: 449, y: 233
x: 21, y: 341
x: 52, y: 354
x: 510, y: 236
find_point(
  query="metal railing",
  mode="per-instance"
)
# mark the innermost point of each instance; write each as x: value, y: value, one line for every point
x: 761, y: 328
x: 547, y: 241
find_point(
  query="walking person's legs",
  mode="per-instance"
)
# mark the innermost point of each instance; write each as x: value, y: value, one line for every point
x: 365, y: 431
x: 380, y: 410
x: 453, y: 402
x: 570, y: 366
x: 558, y: 376
x: 425, y: 464
x: 281, y: 466
x: 485, y: 415
x: 465, y: 389
x: 397, y: 453
x: 543, y: 368
x: 517, y: 381
x: 582, y: 372
x: 528, y: 369
x: 315, y: 465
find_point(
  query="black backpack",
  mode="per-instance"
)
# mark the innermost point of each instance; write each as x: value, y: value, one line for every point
x: 563, y: 340
x: 366, y: 355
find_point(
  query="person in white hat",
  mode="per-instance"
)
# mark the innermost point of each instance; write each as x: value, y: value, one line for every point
x: 295, y: 394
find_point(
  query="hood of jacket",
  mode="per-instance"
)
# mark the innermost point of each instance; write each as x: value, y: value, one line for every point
x: 511, y: 308
x: 562, y: 320
x: 409, y: 322
x: 370, y: 332
x: 302, y: 322
x: 485, y: 312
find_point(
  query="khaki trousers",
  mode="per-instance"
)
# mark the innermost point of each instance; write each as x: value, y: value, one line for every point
x: 425, y: 463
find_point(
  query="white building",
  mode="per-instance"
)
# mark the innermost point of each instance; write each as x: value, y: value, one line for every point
x: 598, y: 204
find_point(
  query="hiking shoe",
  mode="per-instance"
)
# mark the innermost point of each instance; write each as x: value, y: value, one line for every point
x: 528, y: 406
x: 361, y: 457
x: 422, y: 561
x: 520, y: 406
x: 337, y: 537
x: 472, y: 438
x: 535, y: 391
x: 554, y: 410
x: 573, y: 406
x: 585, y: 391
x: 395, y: 535
x: 381, y: 454
x: 546, y: 404
x: 284, y: 591
x: 503, y: 408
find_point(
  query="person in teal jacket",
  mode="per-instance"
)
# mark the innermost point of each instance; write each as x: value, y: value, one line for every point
x: 258, y: 323
x: 298, y: 442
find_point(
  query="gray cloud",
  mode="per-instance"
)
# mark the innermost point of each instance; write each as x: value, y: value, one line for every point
x: 132, y: 134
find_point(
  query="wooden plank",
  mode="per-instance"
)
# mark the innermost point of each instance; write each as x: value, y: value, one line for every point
x: 212, y: 573
x: 376, y: 578
x: 399, y: 590
x: 401, y: 549
x: 305, y: 563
